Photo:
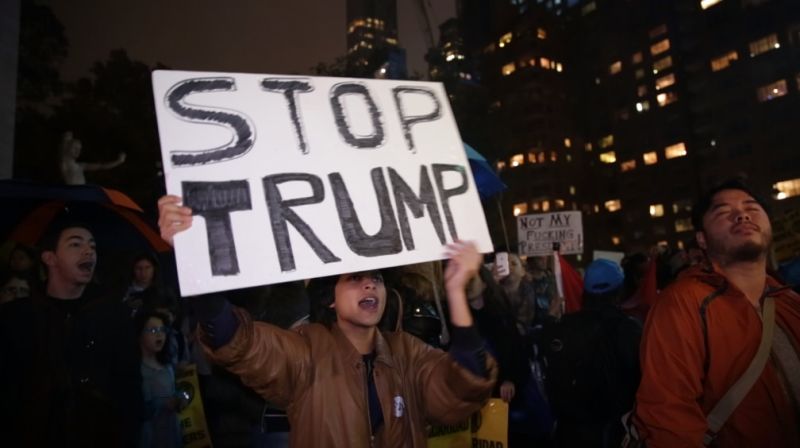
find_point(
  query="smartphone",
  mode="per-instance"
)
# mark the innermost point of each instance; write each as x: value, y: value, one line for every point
x: 501, y: 261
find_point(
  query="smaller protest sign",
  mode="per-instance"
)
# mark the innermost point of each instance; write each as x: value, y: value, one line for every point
x: 536, y: 233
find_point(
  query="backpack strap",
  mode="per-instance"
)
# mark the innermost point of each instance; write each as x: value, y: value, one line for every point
x: 724, y: 408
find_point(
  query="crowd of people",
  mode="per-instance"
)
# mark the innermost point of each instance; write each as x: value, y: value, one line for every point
x: 374, y: 358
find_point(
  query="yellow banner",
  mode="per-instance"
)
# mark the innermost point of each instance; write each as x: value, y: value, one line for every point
x: 491, y: 429
x: 192, y: 417
x: 450, y: 436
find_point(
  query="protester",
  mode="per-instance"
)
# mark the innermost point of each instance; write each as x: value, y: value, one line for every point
x: 13, y: 287
x: 162, y: 402
x: 145, y: 286
x: 69, y: 369
x: 705, y: 329
x: 345, y: 383
x: 72, y: 171
x: 592, y: 363
x: 22, y: 262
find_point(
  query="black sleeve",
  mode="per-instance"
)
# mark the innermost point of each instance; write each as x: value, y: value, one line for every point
x: 468, y: 349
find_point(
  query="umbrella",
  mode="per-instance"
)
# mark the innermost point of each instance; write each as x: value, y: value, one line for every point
x: 486, y: 179
x: 116, y: 220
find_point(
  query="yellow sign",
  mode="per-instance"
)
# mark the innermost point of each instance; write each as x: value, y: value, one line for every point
x: 192, y: 417
x: 450, y: 436
x: 489, y: 429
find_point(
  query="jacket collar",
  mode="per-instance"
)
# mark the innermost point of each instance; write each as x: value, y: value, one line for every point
x: 706, y: 273
x: 382, y: 349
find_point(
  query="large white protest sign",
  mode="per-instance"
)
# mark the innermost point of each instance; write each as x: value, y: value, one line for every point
x: 536, y: 233
x: 298, y: 177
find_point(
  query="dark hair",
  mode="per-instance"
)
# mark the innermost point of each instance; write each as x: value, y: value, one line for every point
x: 703, y: 203
x: 62, y: 222
x: 321, y: 294
x: 165, y: 355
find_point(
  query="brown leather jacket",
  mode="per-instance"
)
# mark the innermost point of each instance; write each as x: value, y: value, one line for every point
x: 317, y: 375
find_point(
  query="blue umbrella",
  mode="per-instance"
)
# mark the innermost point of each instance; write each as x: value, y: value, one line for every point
x: 486, y: 179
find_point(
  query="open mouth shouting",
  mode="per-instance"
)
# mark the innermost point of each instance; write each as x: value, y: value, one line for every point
x: 87, y: 267
x: 368, y: 303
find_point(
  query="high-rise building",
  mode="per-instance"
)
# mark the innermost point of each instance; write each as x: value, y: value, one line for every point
x: 372, y: 46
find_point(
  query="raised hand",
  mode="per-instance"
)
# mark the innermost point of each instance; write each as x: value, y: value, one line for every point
x: 172, y: 217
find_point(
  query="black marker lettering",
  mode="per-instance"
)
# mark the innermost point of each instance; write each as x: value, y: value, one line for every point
x: 215, y: 201
x: 387, y: 240
x: 350, y: 88
x: 290, y: 89
x: 409, y: 120
x: 445, y: 194
x: 280, y: 211
x: 405, y: 196
x: 243, y: 130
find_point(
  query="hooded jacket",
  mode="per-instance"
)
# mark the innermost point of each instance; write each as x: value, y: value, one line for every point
x: 690, y: 362
x: 317, y: 375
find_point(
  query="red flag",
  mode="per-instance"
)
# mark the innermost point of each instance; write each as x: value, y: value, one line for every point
x: 571, y: 285
x: 645, y: 296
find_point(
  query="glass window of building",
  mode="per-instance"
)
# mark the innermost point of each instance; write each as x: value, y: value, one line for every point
x: 724, y: 61
x: 616, y: 240
x: 505, y: 39
x: 545, y: 206
x: 682, y: 205
x: 559, y: 67
x: 771, y: 91
x: 606, y: 141
x: 636, y: 58
x: 641, y: 90
x: 787, y: 188
x: 662, y: 64
x: 517, y: 160
x: 659, y: 47
x: 501, y: 164
x: 650, y: 158
x: 544, y: 62
x: 683, y: 225
x: 657, y: 31
x: 509, y: 69
x: 642, y: 106
x: 588, y: 8
x: 628, y: 165
x: 705, y: 4
x: 665, y: 98
x: 665, y: 81
x: 764, y: 45
x: 676, y: 150
x: 559, y: 203
x: 615, y: 68
x: 656, y: 210
x: 608, y: 157
x: 520, y: 209
x: 567, y: 142
x: 572, y: 190
x: 613, y: 205
x: 639, y: 73
x: 588, y: 147
x: 541, y: 33
x: 553, y: 156
x: 532, y: 157
x: 535, y: 206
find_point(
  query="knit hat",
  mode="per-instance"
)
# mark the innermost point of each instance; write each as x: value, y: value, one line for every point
x: 602, y: 276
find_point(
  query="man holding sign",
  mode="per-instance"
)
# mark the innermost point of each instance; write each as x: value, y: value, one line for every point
x: 348, y: 384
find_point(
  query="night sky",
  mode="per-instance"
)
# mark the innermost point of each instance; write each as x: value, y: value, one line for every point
x: 260, y: 36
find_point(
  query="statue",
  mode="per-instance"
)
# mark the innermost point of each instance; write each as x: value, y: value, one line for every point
x: 72, y: 170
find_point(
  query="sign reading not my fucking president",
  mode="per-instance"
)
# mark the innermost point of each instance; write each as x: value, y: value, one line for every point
x: 298, y: 177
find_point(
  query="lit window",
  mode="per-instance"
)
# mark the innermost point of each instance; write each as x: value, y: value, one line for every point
x: 607, y: 141
x: 545, y: 206
x: 705, y: 4
x: 613, y: 205
x: 641, y: 90
x: 608, y: 157
x: 772, y: 91
x: 505, y: 39
x: 787, y: 189
x: 517, y: 160
x: 723, y: 61
x: 662, y: 64
x: 541, y: 33
x: 553, y: 156
x: 569, y: 157
x: 764, y: 45
x: 639, y: 73
x: 572, y: 190
x: 615, y: 240
x: 683, y: 205
x: 567, y: 143
x: 683, y: 225
x: 659, y: 47
x: 489, y: 48
x: 509, y: 69
x: 642, y: 106
x: 615, y: 68
x: 588, y: 147
x: 532, y: 157
x: 597, y: 208
x: 657, y: 210
x: 657, y: 31
x: 532, y: 62
x: 559, y: 67
x: 545, y: 63
x: 665, y: 81
x: 636, y: 58
x: 665, y: 98
x: 535, y: 206
x: 627, y: 165
x: 559, y: 203
x: 520, y: 209
x: 391, y: 41
x: 650, y: 158
x: 501, y: 165
x: 587, y: 8
x: 676, y: 150
x: 542, y: 155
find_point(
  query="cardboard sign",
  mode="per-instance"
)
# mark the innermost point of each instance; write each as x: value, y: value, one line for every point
x: 193, y: 416
x: 536, y: 233
x: 298, y: 177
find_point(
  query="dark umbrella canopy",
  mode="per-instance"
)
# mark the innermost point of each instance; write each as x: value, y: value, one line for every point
x: 486, y: 179
x: 115, y: 219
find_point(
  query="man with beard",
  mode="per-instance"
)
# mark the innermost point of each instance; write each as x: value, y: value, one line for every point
x: 69, y: 370
x: 705, y: 330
